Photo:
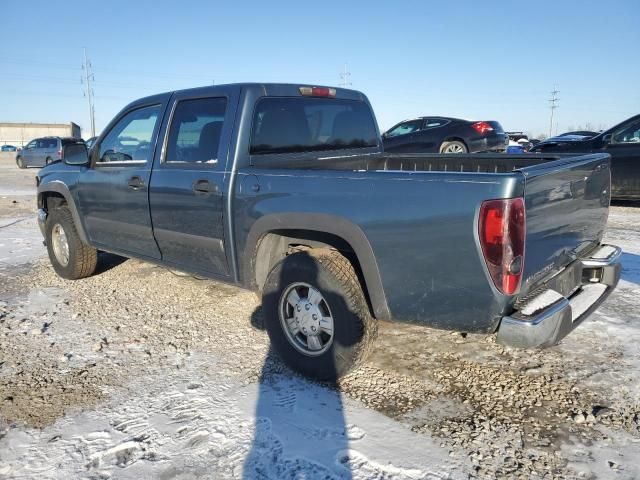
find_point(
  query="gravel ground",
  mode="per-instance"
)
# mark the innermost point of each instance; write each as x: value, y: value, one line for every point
x: 134, y: 330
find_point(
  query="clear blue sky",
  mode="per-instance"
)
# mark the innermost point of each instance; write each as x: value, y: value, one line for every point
x: 477, y: 60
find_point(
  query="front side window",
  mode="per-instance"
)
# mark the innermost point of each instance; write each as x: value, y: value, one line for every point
x: 196, y: 126
x: 627, y: 134
x: 130, y: 139
x: 404, y: 128
x: 303, y: 124
x: 30, y: 145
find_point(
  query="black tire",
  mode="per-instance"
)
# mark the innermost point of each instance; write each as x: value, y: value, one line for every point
x: 354, y: 328
x: 20, y: 163
x: 457, y: 146
x: 48, y: 161
x: 82, y: 258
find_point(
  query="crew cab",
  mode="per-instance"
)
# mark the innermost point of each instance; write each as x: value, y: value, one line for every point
x: 286, y: 190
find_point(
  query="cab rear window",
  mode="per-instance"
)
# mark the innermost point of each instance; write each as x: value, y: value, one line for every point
x: 292, y: 124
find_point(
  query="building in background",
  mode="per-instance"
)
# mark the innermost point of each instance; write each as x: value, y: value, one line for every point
x: 19, y: 134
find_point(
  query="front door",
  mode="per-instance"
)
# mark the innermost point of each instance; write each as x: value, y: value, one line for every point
x: 188, y: 185
x: 402, y: 137
x: 113, y: 192
x: 624, y: 148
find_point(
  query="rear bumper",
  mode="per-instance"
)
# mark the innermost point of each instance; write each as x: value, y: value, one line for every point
x: 570, y: 297
x: 495, y: 142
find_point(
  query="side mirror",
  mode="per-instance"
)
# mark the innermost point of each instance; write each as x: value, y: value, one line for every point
x: 75, y: 154
x: 606, y: 139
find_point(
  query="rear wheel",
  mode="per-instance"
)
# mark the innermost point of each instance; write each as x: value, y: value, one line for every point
x: 71, y: 258
x: 20, y: 162
x: 48, y: 161
x: 454, y: 146
x: 316, y: 314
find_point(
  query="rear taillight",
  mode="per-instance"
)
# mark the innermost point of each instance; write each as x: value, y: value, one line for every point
x: 482, y: 127
x: 60, y: 153
x: 501, y: 228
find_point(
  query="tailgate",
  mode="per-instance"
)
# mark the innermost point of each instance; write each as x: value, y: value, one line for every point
x: 567, y: 204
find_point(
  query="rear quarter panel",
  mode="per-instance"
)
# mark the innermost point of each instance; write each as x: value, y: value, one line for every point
x: 420, y: 226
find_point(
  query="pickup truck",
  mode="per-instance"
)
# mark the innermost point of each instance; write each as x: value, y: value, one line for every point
x: 286, y: 190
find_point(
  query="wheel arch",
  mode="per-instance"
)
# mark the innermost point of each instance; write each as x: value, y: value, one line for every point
x: 455, y: 138
x: 56, y: 193
x: 273, y: 237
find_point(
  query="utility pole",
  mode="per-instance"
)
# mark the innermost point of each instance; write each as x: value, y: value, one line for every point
x: 345, y: 77
x: 553, y: 104
x: 86, y: 79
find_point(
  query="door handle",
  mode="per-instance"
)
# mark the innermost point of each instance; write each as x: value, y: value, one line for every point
x: 136, y: 182
x: 204, y: 187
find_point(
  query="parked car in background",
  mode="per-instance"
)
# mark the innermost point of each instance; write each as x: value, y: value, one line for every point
x: 286, y: 190
x: 445, y: 135
x: 8, y: 148
x: 621, y: 141
x: 89, y: 143
x: 42, y: 151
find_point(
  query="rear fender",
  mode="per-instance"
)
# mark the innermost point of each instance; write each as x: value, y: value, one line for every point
x: 337, y: 226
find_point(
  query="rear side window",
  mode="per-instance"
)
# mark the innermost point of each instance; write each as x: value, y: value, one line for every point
x: 289, y: 125
x: 434, y: 123
x: 48, y: 143
x: 196, y: 126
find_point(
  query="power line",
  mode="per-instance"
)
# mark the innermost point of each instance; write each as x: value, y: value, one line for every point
x: 345, y: 77
x: 553, y: 104
x: 88, y: 78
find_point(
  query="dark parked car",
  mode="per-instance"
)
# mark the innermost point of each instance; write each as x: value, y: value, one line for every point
x: 621, y: 141
x: 445, y: 135
x: 8, y: 148
x: 285, y: 190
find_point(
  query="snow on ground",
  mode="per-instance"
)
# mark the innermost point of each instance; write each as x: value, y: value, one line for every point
x: 189, y: 423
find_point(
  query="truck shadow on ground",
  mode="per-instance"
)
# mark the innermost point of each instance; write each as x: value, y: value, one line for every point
x: 107, y: 261
x: 300, y: 427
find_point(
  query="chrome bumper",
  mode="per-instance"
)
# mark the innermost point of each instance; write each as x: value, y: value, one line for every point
x: 571, y: 297
x: 42, y: 218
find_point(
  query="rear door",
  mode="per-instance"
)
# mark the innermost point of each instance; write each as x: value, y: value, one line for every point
x: 567, y: 204
x: 188, y: 185
x: 432, y: 135
x: 113, y: 191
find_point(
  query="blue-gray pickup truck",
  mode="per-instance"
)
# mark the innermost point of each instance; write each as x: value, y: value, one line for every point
x: 286, y: 190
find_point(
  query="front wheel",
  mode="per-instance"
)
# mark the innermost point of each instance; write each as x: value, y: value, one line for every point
x: 20, y: 162
x: 71, y: 258
x: 454, y: 146
x: 316, y: 314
